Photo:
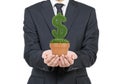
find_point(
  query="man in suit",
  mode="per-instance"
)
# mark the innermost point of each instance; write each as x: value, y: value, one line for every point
x: 83, y: 36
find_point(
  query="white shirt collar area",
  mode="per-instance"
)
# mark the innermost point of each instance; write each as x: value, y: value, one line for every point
x: 65, y: 2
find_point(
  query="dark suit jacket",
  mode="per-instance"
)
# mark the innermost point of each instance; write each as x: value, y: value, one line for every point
x: 82, y: 34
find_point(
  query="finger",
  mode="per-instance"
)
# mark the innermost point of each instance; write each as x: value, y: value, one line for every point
x: 59, y: 63
x: 46, y: 60
x: 56, y: 65
x: 46, y: 56
x: 74, y: 56
x: 46, y: 52
x: 54, y: 61
x: 66, y: 62
x: 51, y: 61
x: 49, y: 58
x: 62, y: 61
x: 70, y: 60
x: 43, y: 55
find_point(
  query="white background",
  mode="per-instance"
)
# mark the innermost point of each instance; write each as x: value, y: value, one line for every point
x: 13, y: 68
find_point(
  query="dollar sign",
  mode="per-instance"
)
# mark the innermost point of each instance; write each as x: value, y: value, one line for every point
x: 57, y: 22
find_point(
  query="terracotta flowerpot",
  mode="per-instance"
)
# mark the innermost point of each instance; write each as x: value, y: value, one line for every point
x: 59, y: 48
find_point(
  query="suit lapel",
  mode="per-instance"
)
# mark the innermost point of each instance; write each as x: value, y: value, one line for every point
x: 48, y: 13
x: 71, y: 14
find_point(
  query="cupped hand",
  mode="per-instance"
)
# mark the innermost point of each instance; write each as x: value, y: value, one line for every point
x: 49, y: 59
x: 67, y: 60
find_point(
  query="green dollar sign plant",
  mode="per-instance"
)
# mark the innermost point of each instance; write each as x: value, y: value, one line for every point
x: 59, y: 45
x: 61, y: 30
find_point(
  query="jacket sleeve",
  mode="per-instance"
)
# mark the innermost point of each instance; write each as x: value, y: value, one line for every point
x: 32, y: 49
x: 87, y: 53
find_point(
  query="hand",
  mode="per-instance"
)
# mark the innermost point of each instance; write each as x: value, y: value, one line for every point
x: 72, y: 54
x: 67, y: 60
x: 49, y: 59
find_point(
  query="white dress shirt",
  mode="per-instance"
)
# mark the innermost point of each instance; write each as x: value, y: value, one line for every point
x: 65, y: 2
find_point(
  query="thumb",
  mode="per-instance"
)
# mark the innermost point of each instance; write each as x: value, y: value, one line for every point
x: 74, y: 56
